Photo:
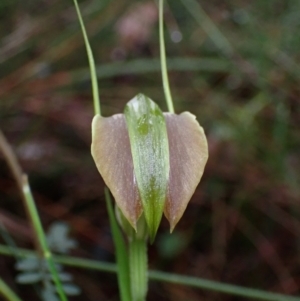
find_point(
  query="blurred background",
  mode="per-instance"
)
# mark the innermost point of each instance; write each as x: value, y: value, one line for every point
x: 235, y: 65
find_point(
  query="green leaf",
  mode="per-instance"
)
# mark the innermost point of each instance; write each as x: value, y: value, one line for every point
x: 150, y: 153
x: 28, y: 264
x: 58, y: 238
x: 71, y: 289
x: 26, y: 278
x: 48, y: 294
x: 121, y: 252
x: 64, y: 277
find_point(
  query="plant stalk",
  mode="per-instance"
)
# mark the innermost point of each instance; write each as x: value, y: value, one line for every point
x: 138, y: 268
x: 200, y: 283
x: 121, y: 251
x: 96, y: 96
x: 7, y: 292
x: 163, y: 60
x: 32, y: 213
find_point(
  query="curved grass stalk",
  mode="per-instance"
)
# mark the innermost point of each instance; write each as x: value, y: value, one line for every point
x: 163, y: 59
x: 251, y: 293
x: 29, y: 204
x: 41, y: 237
x: 96, y: 96
x: 7, y: 292
x: 121, y: 252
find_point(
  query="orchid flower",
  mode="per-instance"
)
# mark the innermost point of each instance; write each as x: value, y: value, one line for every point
x: 151, y: 161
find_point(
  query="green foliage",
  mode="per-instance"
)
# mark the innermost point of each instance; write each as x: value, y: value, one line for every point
x: 34, y: 269
x: 58, y: 238
x: 121, y: 252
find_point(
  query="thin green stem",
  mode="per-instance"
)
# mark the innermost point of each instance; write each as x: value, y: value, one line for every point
x: 7, y: 292
x: 121, y: 251
x: 138, y: 268
x: 220, y: 287
x: 65, y: 260
x: 37, y: 225
x: 161, y: 276
x: 163, y: 60
x: 96, y: 96
x: 29, y: 204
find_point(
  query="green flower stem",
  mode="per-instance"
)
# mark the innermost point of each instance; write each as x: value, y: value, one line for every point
x: 29, y: 204
x: 7, y: 292
x: 96, y: 96
x: 38, y: 228
x: 138, y: 268
x: 121, y: 251
x: 161, y: 276
x: 163, y: 59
